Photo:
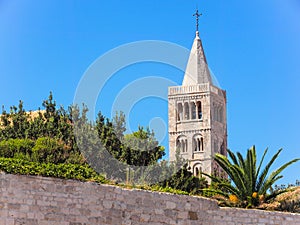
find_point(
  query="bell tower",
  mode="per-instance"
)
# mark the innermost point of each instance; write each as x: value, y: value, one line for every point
x: 197, y: 115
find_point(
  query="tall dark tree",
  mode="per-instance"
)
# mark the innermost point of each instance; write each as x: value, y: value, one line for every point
x: 51, y: 116
x: 108, y: 138
x: 37, y: 126
x: 119, y: 125
x: 16, y: 123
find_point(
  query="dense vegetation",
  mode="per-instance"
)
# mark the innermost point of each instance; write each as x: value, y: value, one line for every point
x: 59, y: 142
x: 67, y: 171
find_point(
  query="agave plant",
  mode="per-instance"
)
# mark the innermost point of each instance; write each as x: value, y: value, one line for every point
x: 250, y: 184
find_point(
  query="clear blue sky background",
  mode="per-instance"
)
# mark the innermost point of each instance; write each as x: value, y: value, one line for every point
x: 253, y: 48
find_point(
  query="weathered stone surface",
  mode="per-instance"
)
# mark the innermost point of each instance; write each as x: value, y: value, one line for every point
x: 104, y: 204
x: 197, y: 116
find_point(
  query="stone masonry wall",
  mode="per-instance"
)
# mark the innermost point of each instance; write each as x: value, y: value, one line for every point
x: 45, y: 201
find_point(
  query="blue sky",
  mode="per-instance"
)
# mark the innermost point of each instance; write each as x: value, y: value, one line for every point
x: 252, y: 47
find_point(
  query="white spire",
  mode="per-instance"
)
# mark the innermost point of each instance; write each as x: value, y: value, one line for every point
x: 197, y: 71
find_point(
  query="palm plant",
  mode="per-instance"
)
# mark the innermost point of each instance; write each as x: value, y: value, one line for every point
x: 250, y: 185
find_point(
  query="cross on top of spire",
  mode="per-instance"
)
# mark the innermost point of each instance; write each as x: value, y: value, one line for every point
x: 197, y: 14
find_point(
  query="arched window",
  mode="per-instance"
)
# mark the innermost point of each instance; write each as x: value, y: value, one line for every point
x: 222, y: 149
x: 195, y: 144
x: 178, y: 144
x: 182, y: 144
x: 193, y: 110
x: 199, y: 110
x: 216, y: 113
x: 179, y: 112
x: 198, y: 143
x: 221, y: 114
x: 215, y: 146
x: 186, y: 111
x: 197, y: 170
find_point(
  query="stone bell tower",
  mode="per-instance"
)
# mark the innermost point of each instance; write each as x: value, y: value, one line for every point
x: 197, y: 115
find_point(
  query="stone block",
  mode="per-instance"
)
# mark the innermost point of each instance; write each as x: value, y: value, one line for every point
x: 105, y: 207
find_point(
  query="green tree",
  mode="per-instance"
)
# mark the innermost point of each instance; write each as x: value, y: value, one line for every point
x: 250, y: 184
x: 143, y: 147
x: 98, y: 145
x: 37, y: 126
x: 119, y: 125
x: 15, y: 124
x: 51, y: 116
x: 138, y: 149
x: 5, y: 131
x: 108, y: 137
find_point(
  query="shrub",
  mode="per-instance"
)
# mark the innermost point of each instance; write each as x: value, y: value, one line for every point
x: 48, y: 150
x: 76, y: 158
x: 9, y: 148
x: 169, y: 190
x: 66, y: 171
x: 292, y: 206
x: 185, y: 181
